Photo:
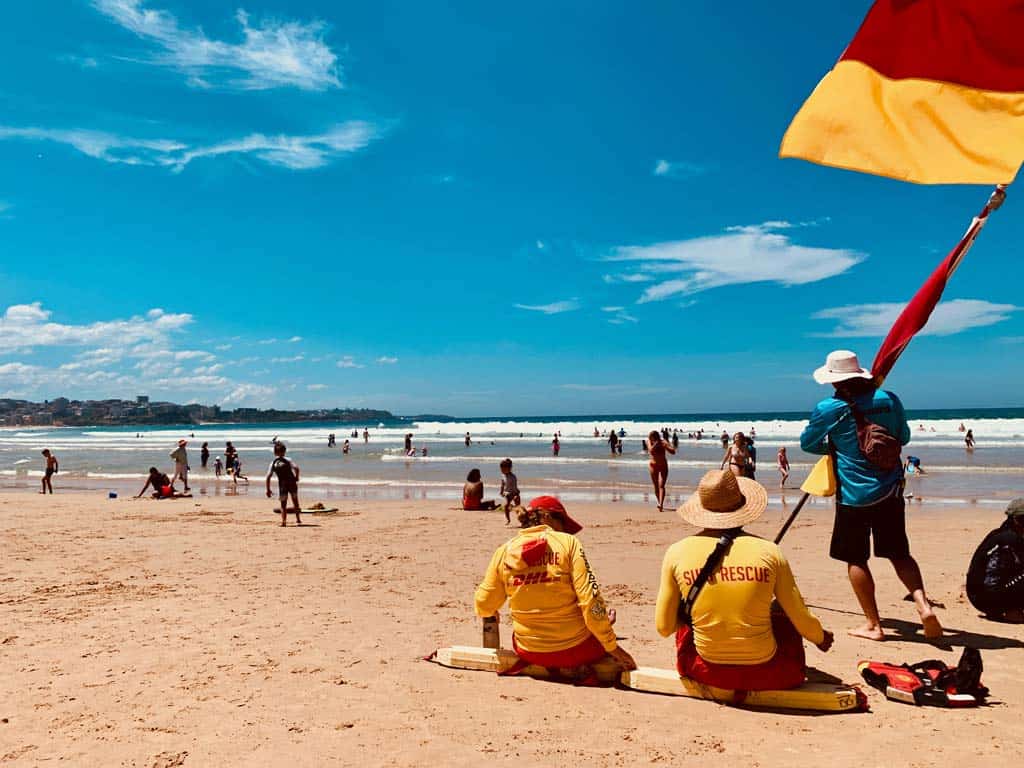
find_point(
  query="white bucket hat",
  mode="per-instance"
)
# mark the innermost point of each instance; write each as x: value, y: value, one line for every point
x: 840, y: 366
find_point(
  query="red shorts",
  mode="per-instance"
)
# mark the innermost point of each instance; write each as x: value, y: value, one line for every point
x: 587, y: 652
x: 167, y: 491
x: 786, y: 669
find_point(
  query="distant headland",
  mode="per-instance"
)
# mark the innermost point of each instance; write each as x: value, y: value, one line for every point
x: 141, y: 411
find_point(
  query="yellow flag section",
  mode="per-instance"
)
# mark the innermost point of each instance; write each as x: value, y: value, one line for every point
x: 822, y: 479
x: 930, y: 91
x: 815, y: 697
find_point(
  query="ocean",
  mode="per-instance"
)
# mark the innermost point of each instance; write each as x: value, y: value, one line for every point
x: 117, y: 458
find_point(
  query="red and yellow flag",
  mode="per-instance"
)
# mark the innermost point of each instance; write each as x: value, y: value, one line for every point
x: 929, y: 91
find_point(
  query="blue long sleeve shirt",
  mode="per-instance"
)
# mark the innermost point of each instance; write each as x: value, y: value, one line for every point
x: 861, y: 483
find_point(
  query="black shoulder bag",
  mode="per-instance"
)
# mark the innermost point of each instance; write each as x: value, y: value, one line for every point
x: 686, y: 605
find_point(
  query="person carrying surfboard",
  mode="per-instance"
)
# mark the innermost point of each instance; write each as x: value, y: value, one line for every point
x: 287, y: 482
x: 732, y: 634
x: 559, y: 618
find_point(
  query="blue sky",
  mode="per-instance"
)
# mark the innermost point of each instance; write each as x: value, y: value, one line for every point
x: 461, y: 208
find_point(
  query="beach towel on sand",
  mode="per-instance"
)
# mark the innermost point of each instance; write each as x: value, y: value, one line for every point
x: 930, y: 682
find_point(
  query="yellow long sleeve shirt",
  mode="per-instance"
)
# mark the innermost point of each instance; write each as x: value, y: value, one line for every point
x: 553, y: 595
x: 732, y: 615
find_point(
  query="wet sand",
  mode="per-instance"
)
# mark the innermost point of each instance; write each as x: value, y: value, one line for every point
x: 199, y: 633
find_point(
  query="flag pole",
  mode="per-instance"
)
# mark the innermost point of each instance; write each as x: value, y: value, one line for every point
x: 995, y: 200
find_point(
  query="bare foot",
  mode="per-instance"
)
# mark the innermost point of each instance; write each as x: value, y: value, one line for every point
x: 283, y: 525
x: 868, y: 632
x: 932, y: 627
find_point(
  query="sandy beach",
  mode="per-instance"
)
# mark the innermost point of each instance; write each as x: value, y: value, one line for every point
x: 197, y: 632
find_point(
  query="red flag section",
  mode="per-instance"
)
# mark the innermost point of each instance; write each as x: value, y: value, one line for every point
x: 915, y: 315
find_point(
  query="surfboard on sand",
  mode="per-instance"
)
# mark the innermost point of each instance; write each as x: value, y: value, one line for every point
x: 816, y: 697
x: 325, y: 511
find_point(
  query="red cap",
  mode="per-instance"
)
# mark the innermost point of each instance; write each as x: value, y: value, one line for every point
x: 553, y: 505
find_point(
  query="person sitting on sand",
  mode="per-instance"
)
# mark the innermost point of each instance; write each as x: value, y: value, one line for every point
x: 995, y: 578
x: 52, y: 467
x: 287, y: 482
x: 658, y: 465
x: 869, y: 499
x: 473, y: 493
x: 161, y: 484
x: 736, y: 638
x: 509, y: 488
x: 736, y: 456
x: 559, y: 618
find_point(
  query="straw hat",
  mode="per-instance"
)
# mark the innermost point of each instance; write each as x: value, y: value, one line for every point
x: 724, y: 501
x: 841, y: 365
x: 182, y: 443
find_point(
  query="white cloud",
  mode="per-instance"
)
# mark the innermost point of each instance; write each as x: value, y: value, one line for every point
x: 315, y: 387
x: 270, y: 55
x: 222, y: 347
x: 349, y: 362
x: 554, y: 308
x: 949, y: 317
x: 746, y: 255
x: 27, y: 326
x: 283, y: 151
x: 385, y: 360
x: 628, y: 277
x: 612, y: 309
x: 294, y: 339
x: 248, y: 394
x: 677, y: 169
x: 292, y: 359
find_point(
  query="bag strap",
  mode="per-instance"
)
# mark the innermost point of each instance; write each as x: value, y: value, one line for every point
x: 721, y: 547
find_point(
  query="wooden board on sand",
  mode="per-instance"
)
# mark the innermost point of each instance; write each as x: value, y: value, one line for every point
x: 816, y: 697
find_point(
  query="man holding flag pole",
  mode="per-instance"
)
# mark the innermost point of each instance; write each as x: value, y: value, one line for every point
x: 930, y: 92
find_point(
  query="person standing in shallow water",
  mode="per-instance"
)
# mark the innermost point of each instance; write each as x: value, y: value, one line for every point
x: 869, y: 498
x: 51, y: 469
x: 204, y: 454
x: 658, y: 465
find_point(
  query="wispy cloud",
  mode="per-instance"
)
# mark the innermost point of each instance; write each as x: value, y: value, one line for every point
x: 677, y: 169
x: 270, y: 54
x: 283, y: 151
x: 316, y: 387
x: 294, y: 339
x: 753, y: 254
x: 385, y: 360
x: 619, y: 316
x: 949, y: 317
x: 349, y: 362
x: 292, y: 359
x: 554, y: 308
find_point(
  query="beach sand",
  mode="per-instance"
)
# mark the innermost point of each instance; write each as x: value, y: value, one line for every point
x: 197, y: 632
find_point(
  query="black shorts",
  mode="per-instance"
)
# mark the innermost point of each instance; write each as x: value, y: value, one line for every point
x: 884, y: 521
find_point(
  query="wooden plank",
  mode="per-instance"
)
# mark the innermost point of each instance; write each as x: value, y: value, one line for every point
x: 817, y: 697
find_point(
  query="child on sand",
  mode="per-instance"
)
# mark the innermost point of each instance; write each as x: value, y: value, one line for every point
x: 509, y: 488
x: 287, y: 483
x: 51, y: 470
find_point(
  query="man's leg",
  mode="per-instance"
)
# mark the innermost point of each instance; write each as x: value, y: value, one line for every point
x: 863, y: 584
x: 910, y: 574
x: 295, y: 500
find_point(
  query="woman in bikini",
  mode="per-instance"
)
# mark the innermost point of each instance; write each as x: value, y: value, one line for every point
x: 658, y: 449
x: 736, y: 455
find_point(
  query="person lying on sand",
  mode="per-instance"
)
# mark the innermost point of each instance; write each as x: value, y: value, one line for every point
x: 473, y: 493
x: 559, y: 617
x: 869, y: 500
x: 995, y: 578
x: 161, y: 484
x: 734, y: 636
